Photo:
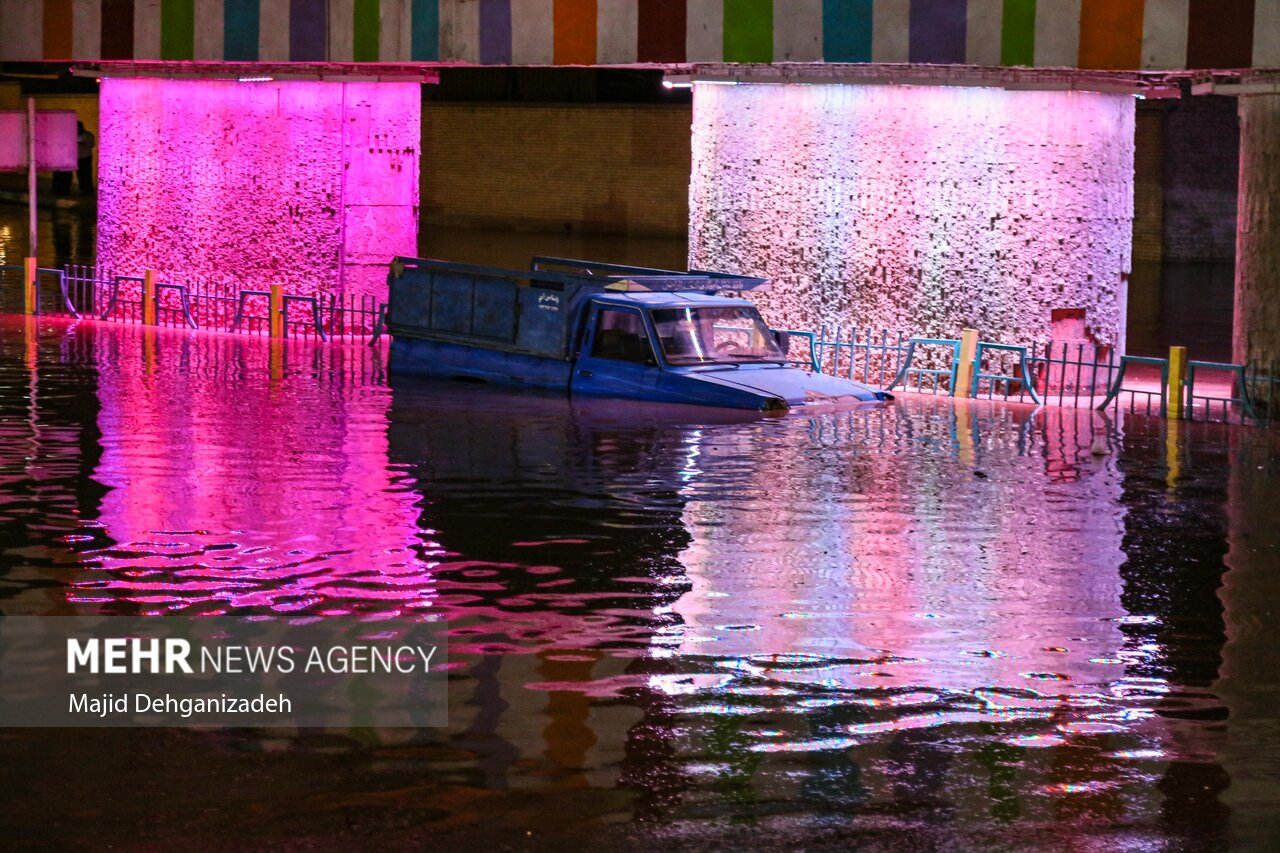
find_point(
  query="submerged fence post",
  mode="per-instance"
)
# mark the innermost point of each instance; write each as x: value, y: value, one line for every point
x: 277, y: 311
x: 1174, y: 391
x: 149, y: 298
x: 964, y: 368
x: 30, y: 279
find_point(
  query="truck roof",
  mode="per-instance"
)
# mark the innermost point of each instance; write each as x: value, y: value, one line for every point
x: 576, y: 275
x: 632, y: 278
x: 668, y: 299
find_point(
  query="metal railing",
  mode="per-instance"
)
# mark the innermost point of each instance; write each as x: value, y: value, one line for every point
x: 1075, y: 375
x: 938, y: 348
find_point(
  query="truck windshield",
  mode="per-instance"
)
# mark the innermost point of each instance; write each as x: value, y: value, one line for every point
x: 722, y: 335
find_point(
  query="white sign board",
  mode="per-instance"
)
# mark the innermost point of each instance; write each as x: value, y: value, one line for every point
x: 55, y: 140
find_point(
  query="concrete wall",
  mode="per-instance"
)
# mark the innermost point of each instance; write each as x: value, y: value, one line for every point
x: 918, y: 209
x: 1256, y: 320
x: 312, y: 185
x: 606, y: 168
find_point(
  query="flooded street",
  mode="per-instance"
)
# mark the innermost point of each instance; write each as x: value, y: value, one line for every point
x: 927, y: 626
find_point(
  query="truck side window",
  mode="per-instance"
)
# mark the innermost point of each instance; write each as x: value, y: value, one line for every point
x: 620, y: 335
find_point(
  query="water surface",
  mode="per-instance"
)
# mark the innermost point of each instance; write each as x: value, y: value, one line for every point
x: 924, y: 626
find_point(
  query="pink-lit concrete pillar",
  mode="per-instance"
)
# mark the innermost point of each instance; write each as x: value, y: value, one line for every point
x: 309, y: 184
x: 1256, y: 338
x: 918, y: 209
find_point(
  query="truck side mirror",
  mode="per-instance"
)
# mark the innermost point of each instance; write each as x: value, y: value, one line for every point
x: 782, y: 339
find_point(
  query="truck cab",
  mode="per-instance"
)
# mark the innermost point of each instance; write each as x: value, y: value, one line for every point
x: 699, y: 349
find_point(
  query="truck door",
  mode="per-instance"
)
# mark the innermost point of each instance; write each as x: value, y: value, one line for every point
x: 617, y: 357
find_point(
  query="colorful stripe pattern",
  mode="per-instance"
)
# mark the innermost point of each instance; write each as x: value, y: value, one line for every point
x: 240, y: 23
x: 1018, y: 32
x: 574, y: 26
x: 937, y: 33
x: 495, y: 32
x: 846, y: 30
x: 1103, y: 34
x: 177, y: 29
x: 661, y: 31
x: 748, y: 31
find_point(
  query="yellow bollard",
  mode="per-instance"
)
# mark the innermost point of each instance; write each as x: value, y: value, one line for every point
x: 32, y: 340
x: 149, y: 298
x: 1172, y: 453
x: 149, y: 352
x: 30, y: 281
x: 964, y: 433
x: 964, y: 370
x: 277, y: 311
x: 275, y: 362
x: 1175, y: 390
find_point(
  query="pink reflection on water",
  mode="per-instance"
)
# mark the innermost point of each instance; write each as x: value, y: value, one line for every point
x: 937, y: 596
x: 250, y: 491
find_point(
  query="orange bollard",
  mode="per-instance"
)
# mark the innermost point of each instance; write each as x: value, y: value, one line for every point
x: 149, y: 352
x: 964, y: 370
x: 149, y: 298
x: 277, y: 311
x: 32, y: 339
x: 275, y: 362
x: 30, y: 280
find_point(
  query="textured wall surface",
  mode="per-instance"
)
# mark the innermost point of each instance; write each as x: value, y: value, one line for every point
x: 312, y: 185
x: 918, y: 209
x: 1257, y: 306
x: 614, y: 169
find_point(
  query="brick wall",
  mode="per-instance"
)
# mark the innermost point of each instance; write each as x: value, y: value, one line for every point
x: 587, y: 168
x: 1148, y: 183
x: 1201, y: 177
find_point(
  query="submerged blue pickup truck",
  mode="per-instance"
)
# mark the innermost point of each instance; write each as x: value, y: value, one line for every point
x: 590, y: 328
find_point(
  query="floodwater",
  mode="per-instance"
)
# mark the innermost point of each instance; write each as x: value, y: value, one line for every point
x: 921, y: 627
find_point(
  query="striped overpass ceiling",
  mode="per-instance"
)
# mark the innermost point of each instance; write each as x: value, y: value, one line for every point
x: 1086, y: 34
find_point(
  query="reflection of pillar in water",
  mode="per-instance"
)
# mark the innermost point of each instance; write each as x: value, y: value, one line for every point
x: 568, y: 735
x: 851, y: 549
x: 874, y: 543
x: 1249, y: 677
x: 1174, y: 543
x: 495, y: 755
x: 234, y: 491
